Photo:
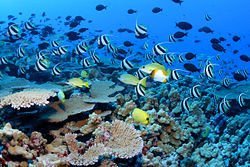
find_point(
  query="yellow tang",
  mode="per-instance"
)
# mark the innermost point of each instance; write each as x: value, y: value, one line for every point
x: 61, y: 96
x: 84, y: 74
x: 132, y: 80
x: 151, y: 67
x: 141, y: 116
x: 77, y: 82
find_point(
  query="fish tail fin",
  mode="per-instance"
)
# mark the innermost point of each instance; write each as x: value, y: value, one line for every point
x: 143, y: 81
x: 149, y: 119
x: 86, y: 84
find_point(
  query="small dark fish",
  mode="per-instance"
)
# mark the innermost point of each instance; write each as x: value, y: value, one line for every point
x: 43, y: 14
x: 218, y: 47
x: 73, y: 36
x: 197, y: 41
x: 178, y: 1
x: 83, y: 29
x: 235, y: 51
x: 239, y: 77
x: 43, y: 46
x: 214, y: 40
x: 190, y: 56
x: 33, y: 15
x: 190, y: 67
x: 156, y: 10
x: 184, y: 25
x: 206, y: 30
x: 34, y: 32
x: 79, y: 18
x: 128, y: 44
x: 2, y: 22
x: 20, y: 13
x: 74, y: 24
x: 68, y: 18
x: 236, y: 38
x: 228, y: 44
x: 222, y: 39
x: 90, y: 21
x: 121, y: 51
x: 245, y: 58
x: 100, y: 7
x: 180, y: 34
x: 131, y: 11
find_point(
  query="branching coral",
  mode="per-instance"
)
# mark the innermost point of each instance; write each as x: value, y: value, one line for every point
x: 93, y: 122
x: 117, y: 139
x: 27, y: 98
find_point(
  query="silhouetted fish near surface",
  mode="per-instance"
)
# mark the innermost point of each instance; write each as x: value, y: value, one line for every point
x: 131, y: 11
x: 206, y: 30
x: 245, y: 58
x: 218, y: 47
x: 178, y: 1
x: 235, y: 51
x: 82, y: 30
x: 128, y: 44
x: 190, y: 67
x: 100, y: 7
x: 180, y: 34
x: 236, y: 38
x: 214, y: 40
x: 190, y: 56
x: 222, y: 39
x: 156, y: 10
x: 239, y: 77
x: 184, y: 25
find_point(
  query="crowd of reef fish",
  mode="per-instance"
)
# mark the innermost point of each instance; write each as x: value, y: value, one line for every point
x: 197, y: 115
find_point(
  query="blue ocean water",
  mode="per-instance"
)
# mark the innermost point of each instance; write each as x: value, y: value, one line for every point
x: 229, y: 18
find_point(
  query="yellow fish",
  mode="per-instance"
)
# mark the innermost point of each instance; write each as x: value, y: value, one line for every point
x: 84, y: 74
x: 160, y: 75
x: 132, y: 80
x: 77, y: 82
x: 152, y: 66
x: 141, y: 116
x: 61, y: 96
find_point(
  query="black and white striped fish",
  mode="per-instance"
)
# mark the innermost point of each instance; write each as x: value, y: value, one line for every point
x: 208, y: 17
x: 226, y: 82
x: 4, y: 60
x: 20, y: 52
x: 114, y: 55
x: 185, y: 105
x: 85, y: 62
x: 169, y: 59
x: 148, y: 56
x: 54, y: 43
x: 175, y: 75
x: 61, y: 50
x: 95, y: 57
x: 80, y: 49
x: 29, y: 25
x: 208, y: 71
x: 21, y: 70
x: 102, y: 41
x: 56, y: 70
x: 181, y: 58
x: 241, y: 100
x: 125, y: 64
x: 217, y: 57
x: 195, y: 92
x: 145, y: 46
x: 139, y: 74
x: 140, y: 30
x: 221, y: 108
x: 140, y: 90
x: 13, y: 30
x: 40, y: 55
x: 171, y: 38
x: 159, y: 50
x: 111, y: 48
x: 41, y: 65
x: 55, y: 52
x: 245, y: 73
x: 226, y: 103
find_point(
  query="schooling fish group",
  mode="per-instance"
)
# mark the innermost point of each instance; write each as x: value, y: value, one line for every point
x: 52, y: 50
